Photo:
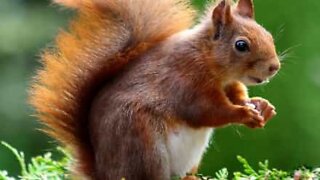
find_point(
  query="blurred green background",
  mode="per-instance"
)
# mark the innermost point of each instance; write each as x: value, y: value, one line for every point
x: 290, y: 140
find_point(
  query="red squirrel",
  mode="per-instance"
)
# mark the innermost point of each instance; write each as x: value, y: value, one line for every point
x: 134, y: 89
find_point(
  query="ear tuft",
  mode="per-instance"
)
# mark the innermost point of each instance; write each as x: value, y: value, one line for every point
x: 246, y: 8
x: 222, y: 13
x: 69, y: 3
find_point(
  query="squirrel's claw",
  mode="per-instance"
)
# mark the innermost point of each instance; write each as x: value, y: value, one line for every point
x: 265, y: 109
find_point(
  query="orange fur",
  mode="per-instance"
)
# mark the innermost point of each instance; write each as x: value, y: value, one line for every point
x: 237, y: 93
x: 130, y: 72
x: 104, y: 37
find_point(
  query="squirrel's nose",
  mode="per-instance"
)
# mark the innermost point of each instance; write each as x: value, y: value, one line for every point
x: 274, y: 68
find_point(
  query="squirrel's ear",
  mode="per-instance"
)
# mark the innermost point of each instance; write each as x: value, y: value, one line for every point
x: 221, y: 16
x: 69, y: 3
x: 222, y: 13
x: 246, y: 8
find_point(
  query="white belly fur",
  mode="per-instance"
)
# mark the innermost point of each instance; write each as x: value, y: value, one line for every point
x: 186, y: 147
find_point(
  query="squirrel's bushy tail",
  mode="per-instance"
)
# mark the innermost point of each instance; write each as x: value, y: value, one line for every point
x: 103, y: 38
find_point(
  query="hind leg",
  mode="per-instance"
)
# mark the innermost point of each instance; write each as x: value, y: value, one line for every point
x: 191, y: 174
x: 129, y: 145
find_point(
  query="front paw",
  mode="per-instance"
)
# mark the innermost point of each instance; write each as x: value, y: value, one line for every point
x: 266, y: 109
x: 190, y: 177
x: 251, y: 117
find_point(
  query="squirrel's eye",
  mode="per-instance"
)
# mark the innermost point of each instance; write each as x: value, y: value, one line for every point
x: 242, y: 46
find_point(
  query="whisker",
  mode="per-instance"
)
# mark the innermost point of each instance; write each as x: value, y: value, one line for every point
x: 236, y: 129
x: 286, y: 53
x: 279, y: 32
x: 281, y: 74
x: 290, y: 49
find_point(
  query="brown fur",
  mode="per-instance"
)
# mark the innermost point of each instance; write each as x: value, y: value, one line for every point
x: 101, y: 40
x: 124, y: 76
